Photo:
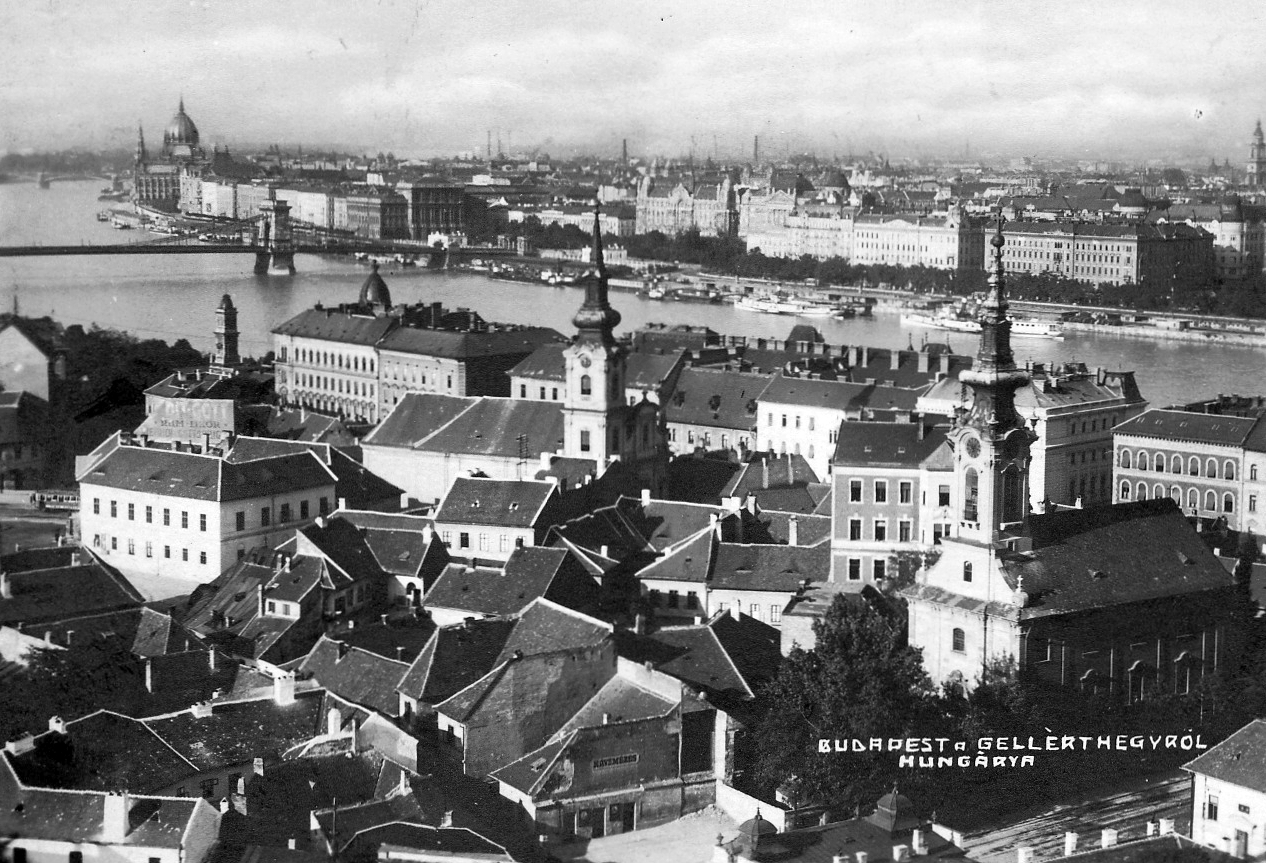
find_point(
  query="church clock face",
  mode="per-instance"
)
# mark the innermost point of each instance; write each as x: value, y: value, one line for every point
x: 585, y: 361
x: 972, y: 445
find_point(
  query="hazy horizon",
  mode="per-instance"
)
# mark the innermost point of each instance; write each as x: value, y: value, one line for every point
x: 1158, y: 80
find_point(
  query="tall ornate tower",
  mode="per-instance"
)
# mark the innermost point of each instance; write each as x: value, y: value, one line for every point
x: 991, y: 442
x: 595, y: 370
x: 141, y: 155
x: 1257, y: 159
x: 226, y: 353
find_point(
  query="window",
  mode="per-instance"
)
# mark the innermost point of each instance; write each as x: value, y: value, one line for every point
x: 131, y: 546
x: 114, y: 509
x: 265, y: 516
x: 1210, y: 501
x: 784, y: 420
x: 905, y: 492
x: 1228, y: 470
x: 775, y: 614
x: 959, y: 641
x: 202, y: 558
x: 463, y: 540
x: 184, y: 519
x: 586, y: 386
x: 76, y: 857
x: 967, y: 571
x: 854, y: 569
x: 484, y: 542
x: 1211, y: 808
x: 303, y: 509
x: 114, y: 543
x: 1125, y: 490
x: 1211, y: 468
x: 584, y: 440
x: 881, y: 530
x: 167, y: 551
x: 239, y: 520
x: 522, y: 391
x: 1252, y: 503
x: 202, y: 522
x: 131, y: 512
x: 166, y: 518
x: 285, y: 513
x: 96, y: 510
x: 503, y: 543
x: 855, y: 491
x: 943, y: 496
x: 1252, y: 472
x: 149, y: 549
x: 184, y: 555
x: 879, y: 566
x: 854, y: 529
x: 208, y: 787
x: 543, y: 393
x: 692, y: 599
x: 673, y: 599
x: 1193, y: 466
x: 1228, y: 502
x: 881, y: 491
x: 149, y: 515
x: 903, y: 531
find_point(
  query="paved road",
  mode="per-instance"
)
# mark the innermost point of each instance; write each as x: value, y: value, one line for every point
x: 1127, y: 810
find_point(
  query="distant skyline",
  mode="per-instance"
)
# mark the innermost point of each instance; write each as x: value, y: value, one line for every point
x: 1127, y: 80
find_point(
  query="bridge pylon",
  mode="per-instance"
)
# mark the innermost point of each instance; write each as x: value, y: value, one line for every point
x: 276, y: 237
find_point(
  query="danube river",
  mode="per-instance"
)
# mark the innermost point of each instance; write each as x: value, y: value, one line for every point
x: 175, y: 296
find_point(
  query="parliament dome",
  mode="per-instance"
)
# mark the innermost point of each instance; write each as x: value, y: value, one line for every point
x: 181, y: 130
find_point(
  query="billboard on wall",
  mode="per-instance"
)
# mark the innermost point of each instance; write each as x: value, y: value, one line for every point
x: 189, y: 419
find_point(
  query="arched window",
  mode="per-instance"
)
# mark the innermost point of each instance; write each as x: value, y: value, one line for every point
x: 1193, y: 499
x: 1143, y: 461
x: 1210, y: 501
x: 1175, y: 464
x: 1193, y: 466
x: 1012, y: 496
x: 1211, y: 468
x: 1125, y: 458
x: 1125, y: 489
x: 967, y: 570
x: 1228, y: 502
x: 1228, y: 470
x: 586, y: 385
x: 1158, y: 490
x: 1176, y: 493
x: 971, y: 495
x: 1140, y: 491
x: 959, y: 641
x: 1160, y: 462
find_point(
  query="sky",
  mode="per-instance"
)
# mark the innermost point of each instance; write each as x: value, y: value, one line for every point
x: 1076, y: 79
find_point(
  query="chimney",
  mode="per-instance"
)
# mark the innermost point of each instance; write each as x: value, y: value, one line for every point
x: 736, y: 612
x: 284, y: 688
x: 604, y: 550
x: 646, y: 497
x: 23, y: 744
x: 144, y: 440
x: 382, y: 619
x: 925, y: 362
x: 428, y: 533
x: 200, y: 709
x: 715, y: 524
x: 257, y: 766
x: 1166, y: 826
x: 639, y: 624
x: 74, y: 558
x: 750, y: 504
x: 224, y: 805
x: 862, y: 856
x: 894, y: 359
x: 1070, y: 844
x: 918, y: 842
x: 764, y: 464
x: 149, y: 675
x: 342, y: 504
x: 606, y: 719
x: 55, y: 723
x: 1151, y: 829
x: 114, y: 818
x: 1107, y: 838
x: 446, y: 820
x: 793, y: 530
x: 333, y: 722
x: 6, y: 592
x: 1023, y: 854
x: 290, y: 843
x: 211, y: 659
x: 901, y: 854
x: 206, y: 442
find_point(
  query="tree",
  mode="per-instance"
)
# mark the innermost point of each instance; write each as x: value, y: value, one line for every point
x: 859, y: 681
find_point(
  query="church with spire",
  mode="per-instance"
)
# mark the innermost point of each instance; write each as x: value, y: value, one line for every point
x: 1123, y: 599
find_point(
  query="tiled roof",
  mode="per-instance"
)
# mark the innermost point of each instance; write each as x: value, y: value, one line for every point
x: 713, y: 397
x: 689, y: 560
x: 344, y: 545
x: 338, y: 325
x: 456, y: 841
x: 399, y: 638
x: 418, y: 416
x: 529, y: 773
x: 529, y: 573
x: 103, y: 751
x: 280, y: 801
x: 151, y: 632
x: 455, y: 657
x: 619, y: 700
x: 498, y: 502
x: 353, y: 482
x: 648, y: 371
x: 236, y: 732
x: 468, y: 345
x: 768, y: 567
x: 544, y: 363
x: 767, y: 470
x: 1238, y: 760
x: 666, y: 522
x: 1054, y: 389
x: 205, y: 477
x: 61, y: 591
x: 545, y: 627
x: 839, y: 395
x: 356, y: 675
x: 1187, y: 426
x: 484, y: 425
x: 903, y: 445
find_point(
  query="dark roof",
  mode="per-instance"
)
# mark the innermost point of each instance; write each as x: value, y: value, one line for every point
x: 205, y: 477
x: 338, y: 325
x: 498, y: 502
x: 279, y: 801
x: 356, y: 675
x: 840, y: 395
x: 151, y: 632
x: 649, y: 371
x: 484, y: 424
x: 766, y: 471
x: 1188, y: 426
x: 343, y: 544
x: 1238, y: 760
x: 714, y: 397
x: 906, y: 445
x: 689, y: 560
x: 507, y: 341
x: 423, y: 837
x: 529, y: 573
x: 61, y: 591
x: 455, y: 657
x: 236, y: 732
x: 768, y: 567
x: 353, y: 482
x: 399, y: 638
x: 546, y: 627
x: 22, y: 417
x: 45, y: 333
x: 418, y: 416
x: 545, y: 363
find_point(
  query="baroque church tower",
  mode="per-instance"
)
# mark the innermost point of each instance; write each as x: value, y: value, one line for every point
x: 226, y: 352
x: 598, y: 423
x: 1257, y: 160
x: 991, y: 442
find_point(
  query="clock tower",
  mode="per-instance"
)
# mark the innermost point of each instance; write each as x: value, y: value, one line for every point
x: 991, y: 442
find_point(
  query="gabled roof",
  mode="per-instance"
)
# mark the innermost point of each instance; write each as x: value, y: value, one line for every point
x: 344, y: 545
x: 62, y: 589
x: 838, y: 395
x: 1189, y: 426
x: 455, y: 657
x: 338, y: 325
x: 547, y: 627
x: 151, y: 632
x: 768, y: 567
x: 353, y: 482
x: 1238, y: 760
x: 418, y: 416
x: 238, y: 731
x: 619, y: 700
x: 205, y: 477
x: 356, y: 675
x: 715, y: 397
x: 768, y: 470
x: 531, y: 572
x: 485, y: 425
x: 900, y: 445
x: 545, y: 363
x: 689, y: 560
x: 649, y: 371
x: 497, y: 502
x: 461, y: 345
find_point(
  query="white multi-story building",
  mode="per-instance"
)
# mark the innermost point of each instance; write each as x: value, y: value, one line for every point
x: 187, y: 512
x: 950, y: 241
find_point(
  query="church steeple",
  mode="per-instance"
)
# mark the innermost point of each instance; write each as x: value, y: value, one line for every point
x: 226, y: 334
x: 595, y: 319
x: 141, y: 155
x: 991, y: 442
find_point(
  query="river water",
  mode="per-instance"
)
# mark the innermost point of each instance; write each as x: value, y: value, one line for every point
x: 175, y: 296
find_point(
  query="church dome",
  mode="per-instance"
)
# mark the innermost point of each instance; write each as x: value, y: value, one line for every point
x: 181, y: 129
x: 374, y: 292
